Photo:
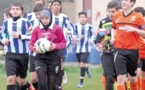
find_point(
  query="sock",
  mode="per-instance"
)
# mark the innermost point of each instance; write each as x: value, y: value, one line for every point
x: 18, y: 86
x: 143, y: 84
x: 25, y: 86
x: 11, y: 87
x: 138, y: 83
x: 87, y: 69
x: 133, y: 86
x: 82, y: 74
x: 35, y: 85
x: 121, y: 87
x: 104, y: 82
x: 60, y: 77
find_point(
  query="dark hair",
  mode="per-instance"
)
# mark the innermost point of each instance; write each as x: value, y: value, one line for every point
x: 133, y: 1
x: 38, y: 7
x: 140, y: 10
x: 18, y: 4
x: 113, y: 4
x: 42, y: 3
x: 118, y: 7
x: 58, y: 2
x: 7, y: 12
x: 82, y: 13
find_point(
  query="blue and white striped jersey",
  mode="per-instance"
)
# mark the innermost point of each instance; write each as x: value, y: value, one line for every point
x: 68, y: 28
x: 83, y: 45
x: 31, y: 16
x: 34, y: 22
x: 21, y: 26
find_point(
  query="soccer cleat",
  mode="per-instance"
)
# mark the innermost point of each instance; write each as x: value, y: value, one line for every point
x: 88, y: 72
x: 80, y: 85
x: 31, y: 87
x: 64, y: 78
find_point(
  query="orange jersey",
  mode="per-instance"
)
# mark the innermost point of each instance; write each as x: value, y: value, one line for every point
x: 123, y: 39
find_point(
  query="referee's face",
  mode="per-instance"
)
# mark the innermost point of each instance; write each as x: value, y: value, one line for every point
x: 15, y: 11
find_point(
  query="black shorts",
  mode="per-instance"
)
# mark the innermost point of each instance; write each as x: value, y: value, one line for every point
x: 126, y: 61
x: 16, y: 64
x: 108, y: 64
x: 82, y: 57
x: 32, y: 63
x: 49, y: 66
x: 62, y: 54
x: 143, y: 64
x: 139, y: 64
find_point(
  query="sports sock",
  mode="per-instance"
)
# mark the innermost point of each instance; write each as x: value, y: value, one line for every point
x: 121, y: 87
x: 133, y: 86
x: 104, y: 82
x: 11, y: 87
x: 35, y: 85
x: 143, y: 84
x: 139, y: 83
x: 82, y: 74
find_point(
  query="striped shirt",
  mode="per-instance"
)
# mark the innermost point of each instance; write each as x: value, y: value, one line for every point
x: 31, y: 16
x: 34, y: 22
x: 21, y: 26
x: 83, y: 44
x: 64, y: 22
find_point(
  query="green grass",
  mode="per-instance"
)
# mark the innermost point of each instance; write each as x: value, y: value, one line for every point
x: 93, y: 83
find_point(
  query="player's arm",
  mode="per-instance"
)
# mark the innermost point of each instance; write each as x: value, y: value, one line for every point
x: 62, y: 40
x: 92, y: 35
x: 140, y: 30
x: 5, y: 34
x: 70, y: 26
x: 33, y: 39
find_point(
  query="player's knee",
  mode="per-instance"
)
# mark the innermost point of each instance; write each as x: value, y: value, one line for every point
x: 133, y: 79
x: 34, y: 77
x: 11, y: 80
x: 121, y: 79
x: 82, y: 64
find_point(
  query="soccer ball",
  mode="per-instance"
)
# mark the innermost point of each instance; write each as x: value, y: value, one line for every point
x: 42, y: 45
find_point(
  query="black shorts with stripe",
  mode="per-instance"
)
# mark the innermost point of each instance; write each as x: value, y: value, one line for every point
x: 82, y: 57
x: 126, y: 61
x: 16, y: 64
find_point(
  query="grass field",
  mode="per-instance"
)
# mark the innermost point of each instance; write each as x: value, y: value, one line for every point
x: 93, y: 83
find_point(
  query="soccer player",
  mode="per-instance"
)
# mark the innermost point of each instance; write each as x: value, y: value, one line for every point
x: 126, y: 36
x: 7, y: 14
x: 107, y: 57
x: 84, y: 41
x: 47, y: 65
x: 32, y: 15
x: 63, y: 21
x: 15, y: 39
x: 139, y: 69
x: 34, y: 22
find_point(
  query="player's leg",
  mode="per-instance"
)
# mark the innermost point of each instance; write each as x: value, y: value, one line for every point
x: 139, y: 71
x: 132, y: 63
x: 53, y: 71
x: 41, y: 69
x: 103, y: 76
x: 83, y: 60
x: 109, y: 70
x: 33, y: 74
x: 23, y: 67
x: 62, y: 71
x: 121, y: 69
x: 11, y: 70
x: 143, y: 73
